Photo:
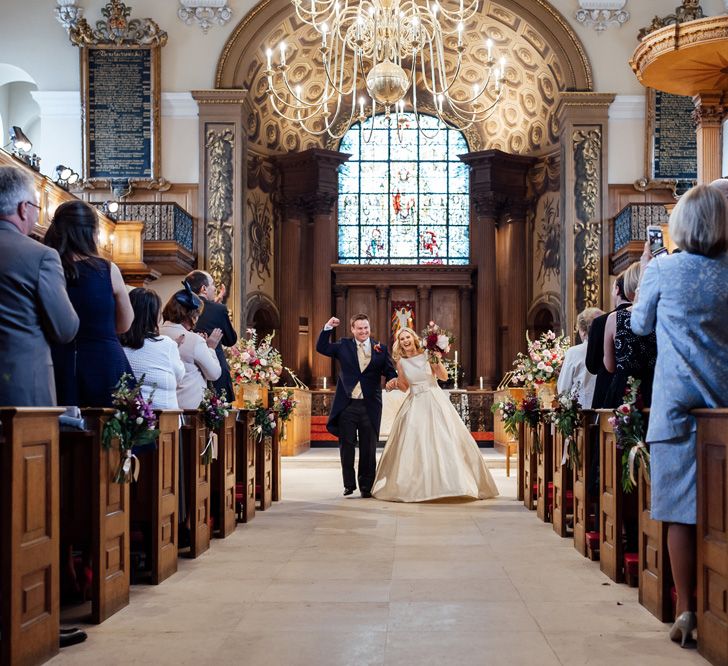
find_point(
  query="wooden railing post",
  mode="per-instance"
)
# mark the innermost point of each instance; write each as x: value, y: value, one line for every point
x: 29, y: 535
x: 197, y: 481
x: 223, y: 478
x: 543, y: 471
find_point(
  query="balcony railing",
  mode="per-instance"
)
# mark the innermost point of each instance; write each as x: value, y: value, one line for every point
x: 162, y: 221
x: 632, y: 221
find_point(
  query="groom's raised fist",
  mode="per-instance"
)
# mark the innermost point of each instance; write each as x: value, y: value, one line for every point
x: 333, y: 322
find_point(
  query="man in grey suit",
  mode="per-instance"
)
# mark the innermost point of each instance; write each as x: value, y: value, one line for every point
x: 34, y: 304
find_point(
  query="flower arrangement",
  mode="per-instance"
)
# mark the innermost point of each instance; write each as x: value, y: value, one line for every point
x: 529, y: 412
x: 629, y: 429
x: 508, y: 411
x: 283, y: 406
x: 215, y: 409
x: 565, y: 415
x: 253, y: 363
x: 436, y: 340
x: 133, y: 425
x: 543, y: 361
x: 264, y: 424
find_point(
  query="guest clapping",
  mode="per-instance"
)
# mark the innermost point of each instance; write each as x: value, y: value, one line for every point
x: 88, y: 369
x: 684, y: 297
x: 153, y: 356
x: 574, y: 370
x: 196, y: 350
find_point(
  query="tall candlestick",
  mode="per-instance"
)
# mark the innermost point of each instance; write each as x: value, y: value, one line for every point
x: 481, y: 383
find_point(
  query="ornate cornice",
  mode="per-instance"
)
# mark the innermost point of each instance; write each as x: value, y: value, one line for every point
x: 117, y: 30
x: 226, y: 96
x: 690, y: 10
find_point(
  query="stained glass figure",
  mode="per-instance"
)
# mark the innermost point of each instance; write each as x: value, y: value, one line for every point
x: 404, y: 198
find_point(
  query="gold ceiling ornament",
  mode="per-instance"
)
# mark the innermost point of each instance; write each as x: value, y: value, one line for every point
x: 374, y: 54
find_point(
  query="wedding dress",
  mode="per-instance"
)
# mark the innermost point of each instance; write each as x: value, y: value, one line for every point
x: 430, y: 453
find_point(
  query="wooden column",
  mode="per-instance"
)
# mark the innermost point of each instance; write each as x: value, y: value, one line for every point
x: 423, y: 306
x: 29, y: 533
x: 382, y: 326
x: 309, y: 184
x: 223, y: 157
x: 465, y: 336
x: 497, y: 192
x: 583, y: 131
x: 709, y: 112
x: 291, y: 231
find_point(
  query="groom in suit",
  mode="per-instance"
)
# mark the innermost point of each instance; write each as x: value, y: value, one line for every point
x: 357, y: 409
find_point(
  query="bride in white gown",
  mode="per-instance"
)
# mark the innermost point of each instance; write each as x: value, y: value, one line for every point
x: 430, y: 454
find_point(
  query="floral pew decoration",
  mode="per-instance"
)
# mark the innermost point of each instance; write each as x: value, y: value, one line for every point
x: 565, y: 416
x: 528, y: 411
x: 628, y: 423
x: 133, y: 425
x: 215, y: 409
x: 284, y: 405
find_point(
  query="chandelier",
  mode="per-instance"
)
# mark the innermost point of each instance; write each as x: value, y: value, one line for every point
x: 378, y: 53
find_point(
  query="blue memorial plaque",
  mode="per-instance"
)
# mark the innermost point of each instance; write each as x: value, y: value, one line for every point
x: 675, y: 152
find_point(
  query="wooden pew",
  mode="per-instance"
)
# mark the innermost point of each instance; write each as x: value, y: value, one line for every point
x: 521, y: 464
x: 655, y: 578
x: 275, y: 491
x: 197, y: 481
x: 529, y: 468
x: 614, y: 503
x: 584, y: 501
x: 264, y: 470
x: 544, y: 466
x: 712, y: 534
x: 95, y: 512
x: 29, y: 535
x: 245, y: 465
x: 223, y: 478
x: 155, y: 497
x: 562, y: 496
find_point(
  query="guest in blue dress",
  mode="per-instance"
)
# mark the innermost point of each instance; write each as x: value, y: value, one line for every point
x: 87, y: 369
x: 684, y: 297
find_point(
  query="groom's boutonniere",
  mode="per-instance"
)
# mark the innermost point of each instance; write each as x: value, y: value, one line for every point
x: 378, y: 348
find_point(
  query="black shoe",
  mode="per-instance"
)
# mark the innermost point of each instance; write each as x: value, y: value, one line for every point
x: 366, y: 494
x: 72, y: 638
x: 69, y: 630
x: 348, y: 491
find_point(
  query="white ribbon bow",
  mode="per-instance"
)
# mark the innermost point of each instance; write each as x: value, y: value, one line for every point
x: 211, y: 445
x: 639, y: 449
x: 131, y: 462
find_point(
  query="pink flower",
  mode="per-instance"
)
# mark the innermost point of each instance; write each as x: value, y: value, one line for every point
x: 623, y: 409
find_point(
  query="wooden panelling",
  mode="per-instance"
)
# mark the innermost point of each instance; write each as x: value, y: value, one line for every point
x: 583, y: 482
x: 197, y: 481
x: 223, y: 478
x: 245, y: 464
x: 544, y: 466
x: 264, y: 471
x: 562, y: 480
x: 29, y: 533
x: 712, y: 533
x: 611, y: 551
x: 529, y: 468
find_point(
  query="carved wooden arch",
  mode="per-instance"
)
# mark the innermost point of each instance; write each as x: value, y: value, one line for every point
x: 547, y: 58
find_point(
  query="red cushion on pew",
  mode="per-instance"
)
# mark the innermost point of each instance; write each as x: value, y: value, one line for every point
x: 239, y: 492
x: 592, y: 538
x: 631, y: 563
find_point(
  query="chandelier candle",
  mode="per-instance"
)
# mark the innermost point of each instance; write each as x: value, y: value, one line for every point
x: 386, y: 53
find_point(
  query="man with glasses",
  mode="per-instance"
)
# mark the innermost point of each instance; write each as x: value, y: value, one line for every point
x: 34, y: 307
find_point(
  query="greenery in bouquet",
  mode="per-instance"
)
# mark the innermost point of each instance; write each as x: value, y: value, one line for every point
x: 254, y: 363
x: 530, y: 413
x: 543, y: 361
x: 629, y: 429
x: 508, y: 412
x: 215, y: 409
x: 283, y: 406
x: 264, y: 423
x: 133, y: 425
x: 436, y: 340
x: 565, y: 416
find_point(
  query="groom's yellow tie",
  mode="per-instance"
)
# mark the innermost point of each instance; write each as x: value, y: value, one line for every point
x: 361, y: 354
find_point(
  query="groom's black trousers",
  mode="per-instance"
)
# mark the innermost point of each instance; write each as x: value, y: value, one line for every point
x: 354, y: 424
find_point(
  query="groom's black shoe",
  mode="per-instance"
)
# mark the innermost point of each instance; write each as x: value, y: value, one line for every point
x: 366, y: 494
x: 348, y: 491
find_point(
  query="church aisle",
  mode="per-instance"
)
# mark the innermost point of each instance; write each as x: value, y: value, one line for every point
x: 325, y: 580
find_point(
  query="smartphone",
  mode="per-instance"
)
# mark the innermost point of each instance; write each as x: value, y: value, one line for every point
x: 656, y: 239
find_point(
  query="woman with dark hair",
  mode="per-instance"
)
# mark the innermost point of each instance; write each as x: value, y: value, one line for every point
x: 196, y: 350
x: 87, y: 369
x: 151, y: 355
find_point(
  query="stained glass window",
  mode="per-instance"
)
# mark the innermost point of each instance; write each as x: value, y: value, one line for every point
x: 404, y: 200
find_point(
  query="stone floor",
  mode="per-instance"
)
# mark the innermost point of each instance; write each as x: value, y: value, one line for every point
x: 321, y: 579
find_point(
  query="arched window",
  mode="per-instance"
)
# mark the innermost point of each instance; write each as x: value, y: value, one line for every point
x: 406, y: 200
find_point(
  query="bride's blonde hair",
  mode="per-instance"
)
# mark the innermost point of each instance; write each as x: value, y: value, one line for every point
x: 397, y: 348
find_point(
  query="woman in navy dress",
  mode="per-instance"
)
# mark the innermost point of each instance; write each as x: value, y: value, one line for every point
x: 87, y: 369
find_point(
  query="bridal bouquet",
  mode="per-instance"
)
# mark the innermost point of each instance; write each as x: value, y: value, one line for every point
x: 214, y: 409
x: 133, y: 424
x: 253, y: 363
x: 629, y: 429
x: 436, y: 340
x: 544, y: 359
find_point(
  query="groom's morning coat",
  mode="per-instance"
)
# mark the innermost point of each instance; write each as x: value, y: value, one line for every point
x: 380, y: 364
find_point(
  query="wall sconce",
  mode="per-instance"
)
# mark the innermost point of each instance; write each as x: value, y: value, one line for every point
x: 600, y: 14
x: 65, y: 176
x: 21, y: 143
x: 68, y: 13
x: 204, y: 12
x: 109, y: 208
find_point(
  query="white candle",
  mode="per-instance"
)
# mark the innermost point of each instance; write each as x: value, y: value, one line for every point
x: 325, y: 383
x: 456, y: 358
x: 481, y: 383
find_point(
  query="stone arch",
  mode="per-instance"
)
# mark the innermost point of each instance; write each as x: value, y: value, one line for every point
x: 262, y: 314
x: 545, y: 315
x: 546, y: 58
x: 18, y: 86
